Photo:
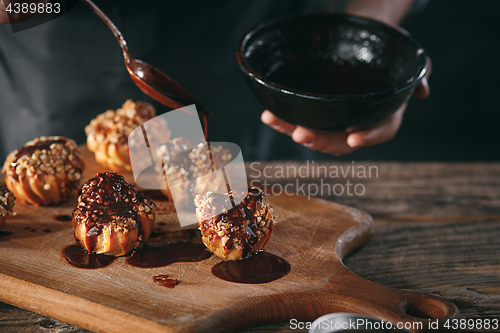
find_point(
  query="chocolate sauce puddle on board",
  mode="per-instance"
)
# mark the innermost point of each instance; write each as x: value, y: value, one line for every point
x: 165, y: 248
x: 259, y: 268
x: 78, y: 257
x: 262, y: 267
x: 164, y: 281
x: 148, y: 256
x: 154, y: 195
x: 5, y: 233
x: 63, y: 218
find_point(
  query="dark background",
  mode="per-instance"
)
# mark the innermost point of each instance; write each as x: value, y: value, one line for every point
x: 56, y: 77
x: 459, y: 121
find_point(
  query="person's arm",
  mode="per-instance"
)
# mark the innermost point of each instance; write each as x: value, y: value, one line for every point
x: 3, y: 14
x: 390, y: 12
x: 340, y: 143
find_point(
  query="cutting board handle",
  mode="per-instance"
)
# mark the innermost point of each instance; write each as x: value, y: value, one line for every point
x: 330, y: 286
x: 415, y: 312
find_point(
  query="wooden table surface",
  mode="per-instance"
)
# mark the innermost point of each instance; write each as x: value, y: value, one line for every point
x: 436, y: 230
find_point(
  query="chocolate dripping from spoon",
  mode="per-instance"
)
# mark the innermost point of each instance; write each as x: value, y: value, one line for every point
x: 149, y: 79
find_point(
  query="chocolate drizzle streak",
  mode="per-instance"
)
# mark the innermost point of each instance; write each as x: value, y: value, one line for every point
x: 27, y: 150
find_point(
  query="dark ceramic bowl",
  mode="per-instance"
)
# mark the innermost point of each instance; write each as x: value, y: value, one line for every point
x: 330, y: 71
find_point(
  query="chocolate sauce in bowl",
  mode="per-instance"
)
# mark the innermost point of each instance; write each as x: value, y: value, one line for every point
x: 261, y: 267
x: 330, y: 78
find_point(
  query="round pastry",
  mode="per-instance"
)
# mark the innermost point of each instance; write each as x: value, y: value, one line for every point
x: 6, y: 204
x: 197, y: 164
x: 111, y: 217
x: 107, y: 134
x: 44, y: 171
x: 235, y: 232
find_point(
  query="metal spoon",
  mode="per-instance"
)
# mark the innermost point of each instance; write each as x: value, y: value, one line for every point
x: 149, y: 79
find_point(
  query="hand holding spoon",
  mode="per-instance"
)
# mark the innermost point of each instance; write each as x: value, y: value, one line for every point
x: 149, y: 79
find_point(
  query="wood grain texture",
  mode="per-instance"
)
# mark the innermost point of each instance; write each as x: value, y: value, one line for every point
x: 422, y: 211
x: 401, y: 192
x: 313, y: 235
x: 436, y: 230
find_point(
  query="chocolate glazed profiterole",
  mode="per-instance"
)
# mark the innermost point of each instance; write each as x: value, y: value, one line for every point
x: 108, y: 133
x: 199, y: 163
x: 235, y: 232
x: 6, y: 204
x: 44, y: 171
x: 111, y: 217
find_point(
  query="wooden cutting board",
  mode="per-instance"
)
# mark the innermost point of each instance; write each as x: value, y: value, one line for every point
x: 312, y: 235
